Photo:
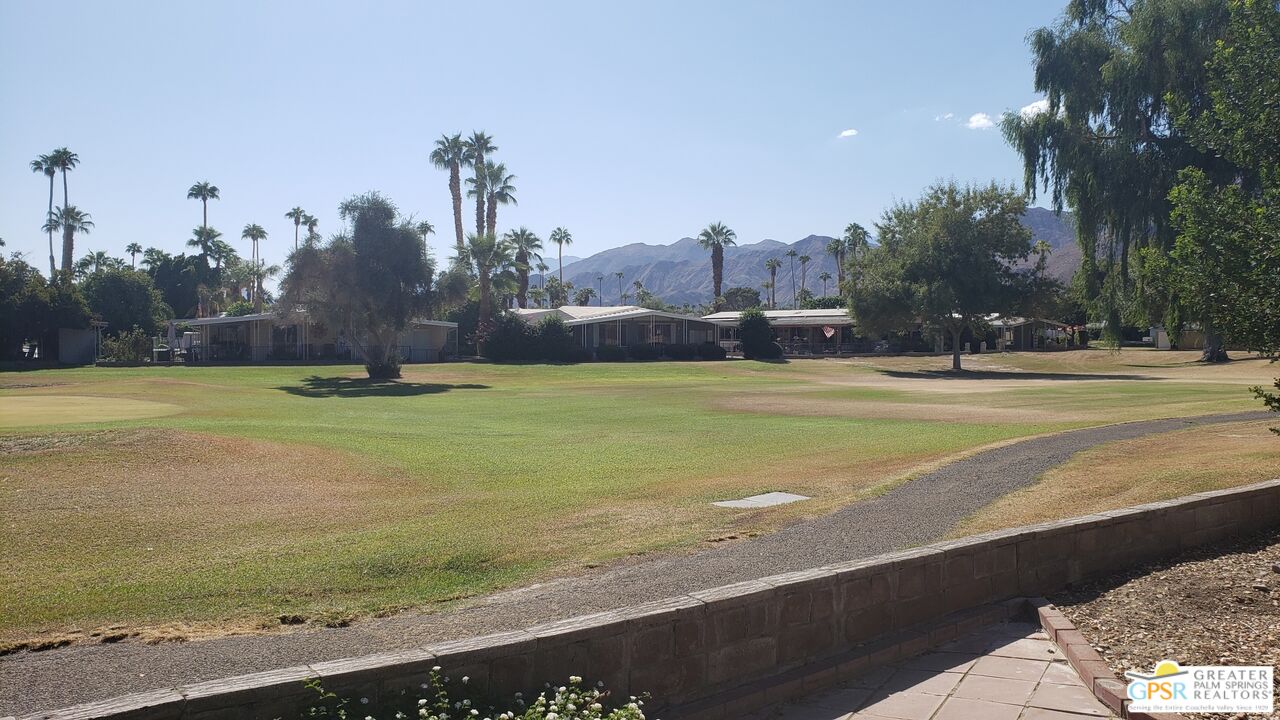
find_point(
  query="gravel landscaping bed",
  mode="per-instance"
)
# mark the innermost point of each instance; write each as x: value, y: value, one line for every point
x: 1212, y: 606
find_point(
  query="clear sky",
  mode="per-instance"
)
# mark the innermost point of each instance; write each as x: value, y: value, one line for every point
x: 624, y: 122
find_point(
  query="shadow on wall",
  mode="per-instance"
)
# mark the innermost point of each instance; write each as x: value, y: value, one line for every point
x: 346, y: 387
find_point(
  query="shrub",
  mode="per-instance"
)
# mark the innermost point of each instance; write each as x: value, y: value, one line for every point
x: 132, y: 346
x: 509, y: 339
x: 644, y: 352
x: 756, y: 335
x: 611, y: 353
x: 681, y: 352
x: 240, y: 308
x: 711, y: 351
x: 577, y: 354
x: 441, y: 699
x: 553, y: 340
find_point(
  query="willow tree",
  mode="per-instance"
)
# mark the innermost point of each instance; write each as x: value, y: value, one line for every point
x: 368, y: 285
x: 1104, y: 142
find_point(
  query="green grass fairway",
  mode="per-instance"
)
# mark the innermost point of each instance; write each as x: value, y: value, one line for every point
x: 187, y: 501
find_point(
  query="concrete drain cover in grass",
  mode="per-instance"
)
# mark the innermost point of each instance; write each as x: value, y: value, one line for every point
x: 759, y: 501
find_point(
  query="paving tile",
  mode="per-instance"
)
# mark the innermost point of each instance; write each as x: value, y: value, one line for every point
x: 1068, y: 698
x: 942, y: 661
x: 934, y: 682
x: 847, y: 699
x: 1006, y: 667
x: 1043, y: 714
x: 811, y: 712
x: 872, y: 679
x: 969, y: 644
x: 1060, y: 673
x: 965, y: 709
x: 995, y: 689
x: 903, y: 705
x: 1028, y: 648
x: 1012, y: 629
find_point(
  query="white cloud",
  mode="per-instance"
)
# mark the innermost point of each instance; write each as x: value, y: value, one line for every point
x: 944, y: 116
x: 848, y: 133
x: 1034, y: 109
x: 980, y: 121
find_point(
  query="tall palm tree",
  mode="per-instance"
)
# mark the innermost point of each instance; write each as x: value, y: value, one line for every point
x: 714, y: 238
x: 203, y: 191
x: 203, y: 238
x: 791, y: 253
x: 475, y: 149
x: 600, y: 288
x: 855, y: 246
x: 542, y: 273
x: 44, y: 164
x: 297, y: 215
x: 498, y: 191
x: 768, y: 291
x: 70, y: 220
x: 255, y: 234
x: 825, y: 277
x: 561, y: 237
x: 424, y: 229
x: 65, y: 161
x: 772, y: 265
x: 526, y: 246
x: 619, y: 275
x: 487, y: 254
x: 154, y: 257
x: 449, y: 155
x: 311, y: 223
x: 537, y: 295
x: 133, y: 249
x: 804, y: 270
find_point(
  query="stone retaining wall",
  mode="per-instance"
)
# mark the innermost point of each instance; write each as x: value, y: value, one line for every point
x: 712, y: 653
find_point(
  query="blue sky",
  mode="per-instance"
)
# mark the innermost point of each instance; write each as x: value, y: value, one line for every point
x: 624, y: 122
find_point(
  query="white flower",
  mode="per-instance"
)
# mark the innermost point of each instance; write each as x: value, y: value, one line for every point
x: 575, y: 679
x: 597, y: 707
x: 436, y: 668
x: 475, y: 713
x: 465, y: 679
x: 422, y: 702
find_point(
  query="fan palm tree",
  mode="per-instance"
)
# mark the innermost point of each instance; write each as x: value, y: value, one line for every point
x: 44, y: 165
x: 133, y: 249
x: 542, y: 273
x: 487, y: 254
x: 537, y: 295
x: 424, y: 229
x: 311, y: 223
x: 791, y: 253
x: 825, y: 277
x: 449, y: 155
x: 714, y: 238
x: 261, y: 272
x: 475, y: 149
x: 70, y: 220
x: 298, y: 216
x: 64, y: 161
x: 561, y: 237
x: 855, y: 241
x: 154, y: 257
x: 222, y: 253
x: 619, y: 275
x: 526, y: 246
x: 255, y: 234
x: 772, y: 265
x: 204, y: 191
x: 203, y: 239
x: 804, y: 271
x: 499, y: 190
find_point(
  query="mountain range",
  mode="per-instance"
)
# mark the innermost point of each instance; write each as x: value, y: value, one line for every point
x: 681, y: 272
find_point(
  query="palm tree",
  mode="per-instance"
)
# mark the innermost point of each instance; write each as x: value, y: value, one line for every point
x: 772, y: 265
x: 44, y: 164
x: 855, y: 246
x: 449, y: 154
x: 583, y: 296
x: 297, y: 215
x: 424, y: 229
x: 70, y: 220
x: 600, y: 288
x: 804, y: 271
x: 221, y: 252
x: 311, y: 223
x: 714, y: 238
x: 791, y: 253
x: 487, y: 254
x: 133, y: 249
x: 498, y: 191
x: 619, y: 275
x: 203, y: 191
x: 542, y: 273
x: 768, y: 290
x: 825, y: 277
x: 154, y: 257
x: 561, y: 237
x: 475, y: 149
x: 65, y: 161
x: 95, y: 261
x: 526, y: 246
x: 254, y: 233
x: 203, y: 238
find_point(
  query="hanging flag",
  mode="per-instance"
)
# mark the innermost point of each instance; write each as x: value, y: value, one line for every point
x: 828, y: 330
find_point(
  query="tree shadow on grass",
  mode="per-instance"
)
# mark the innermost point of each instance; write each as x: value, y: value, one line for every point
x: 1005, y: 375
x: 347, y: 387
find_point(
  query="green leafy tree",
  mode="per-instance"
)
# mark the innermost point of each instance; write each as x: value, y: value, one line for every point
x: 715, y: 237
x: 449, y: 154
x: 946, y: 259
x: 125, y: 299
x: 583, y: 296
x: 1104, y: 142
x: 756, y: 335
x: 741, y: 298
x: 368, y: 285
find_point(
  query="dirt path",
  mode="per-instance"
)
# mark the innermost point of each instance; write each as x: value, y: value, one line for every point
x: 917, y: 512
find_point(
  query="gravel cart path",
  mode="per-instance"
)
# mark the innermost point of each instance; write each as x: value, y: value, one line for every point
x: 919, y: 511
